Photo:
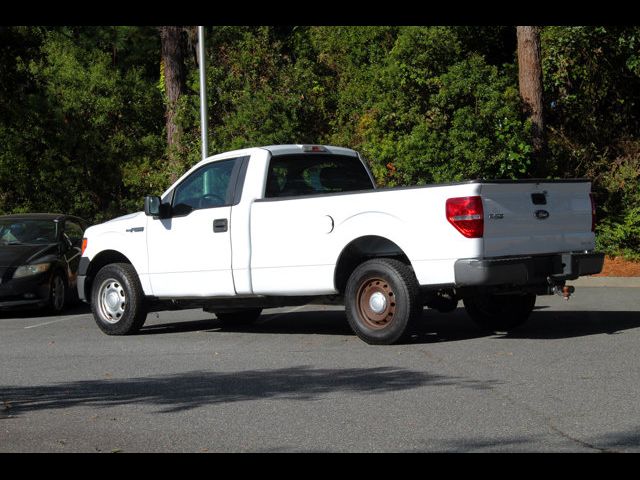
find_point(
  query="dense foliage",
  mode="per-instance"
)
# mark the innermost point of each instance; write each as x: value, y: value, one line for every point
x: 82, y: 123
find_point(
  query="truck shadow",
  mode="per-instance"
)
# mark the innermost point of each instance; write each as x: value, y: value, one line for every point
x: 544, y: 324
x: 550, y: 325
x: 310, y: 322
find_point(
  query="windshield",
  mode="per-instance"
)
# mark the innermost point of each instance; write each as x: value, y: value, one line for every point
x: 27, y: 232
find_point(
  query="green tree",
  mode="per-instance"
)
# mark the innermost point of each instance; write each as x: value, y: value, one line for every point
x: 423, y: 109
x: 82, y: 109
x: 592, y: 83
x: 263, y: 88
x: 83, y: 122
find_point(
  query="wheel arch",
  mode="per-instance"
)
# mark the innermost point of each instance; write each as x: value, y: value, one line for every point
x: 103, y: 258
x: 361, y: 249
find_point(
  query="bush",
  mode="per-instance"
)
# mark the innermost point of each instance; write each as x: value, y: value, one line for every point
x: 469, y: 126
x: 618, y: 199
x: 592, y: 90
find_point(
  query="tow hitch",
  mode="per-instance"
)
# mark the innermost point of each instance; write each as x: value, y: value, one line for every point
x: 561, y: 289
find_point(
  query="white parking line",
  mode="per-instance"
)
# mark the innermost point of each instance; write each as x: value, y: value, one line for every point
x: 52, y: 321
x: 287, y: 312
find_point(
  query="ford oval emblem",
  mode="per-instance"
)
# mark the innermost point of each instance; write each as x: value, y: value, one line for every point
x: 542, y: 214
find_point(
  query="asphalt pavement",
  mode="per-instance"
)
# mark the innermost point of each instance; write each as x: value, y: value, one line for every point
x: 300, y: 381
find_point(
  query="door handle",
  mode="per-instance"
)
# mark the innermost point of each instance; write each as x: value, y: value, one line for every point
x: 220, y: 225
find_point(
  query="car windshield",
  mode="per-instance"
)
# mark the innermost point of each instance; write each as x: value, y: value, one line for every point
x: 27, y: 231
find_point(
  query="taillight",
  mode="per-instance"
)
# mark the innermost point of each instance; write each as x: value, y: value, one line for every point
x: 593, y: 213
x: 84, y: 246
x: 467, y: 215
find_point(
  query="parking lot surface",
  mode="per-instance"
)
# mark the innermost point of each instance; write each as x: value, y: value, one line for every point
x: 299, y: 380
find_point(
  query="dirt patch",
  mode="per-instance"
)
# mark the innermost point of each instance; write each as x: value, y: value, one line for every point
x: 618, y: 267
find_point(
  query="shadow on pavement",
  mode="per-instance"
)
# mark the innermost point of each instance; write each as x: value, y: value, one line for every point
x: 550, y: 325
x: 330, y: 322
x: 544, y: 323
x: 79, y: 308
x: 185, y: 391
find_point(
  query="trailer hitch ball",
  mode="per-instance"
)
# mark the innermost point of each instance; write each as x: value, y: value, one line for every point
x: 564, y: 291
x: 567, y: 291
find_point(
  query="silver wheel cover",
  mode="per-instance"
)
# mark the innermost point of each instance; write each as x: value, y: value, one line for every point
x: 111, y: 301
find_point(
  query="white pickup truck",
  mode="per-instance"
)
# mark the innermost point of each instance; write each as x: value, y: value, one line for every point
x: 289, y: 224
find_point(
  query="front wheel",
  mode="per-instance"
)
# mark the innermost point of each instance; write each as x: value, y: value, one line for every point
x: 382, y: 301
x: 117, y: 300
x: 57, y: 294
x: 500, y: 312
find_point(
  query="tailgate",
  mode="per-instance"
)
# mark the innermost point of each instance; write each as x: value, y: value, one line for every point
x: 528, y: 218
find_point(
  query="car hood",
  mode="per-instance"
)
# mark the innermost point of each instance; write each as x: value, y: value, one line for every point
x: 14, y: 255
x: 119, y: 224
x: 124, y: 218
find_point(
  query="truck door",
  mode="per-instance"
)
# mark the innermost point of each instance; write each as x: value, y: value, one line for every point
x: 190, y: 251
x: 292, y: 249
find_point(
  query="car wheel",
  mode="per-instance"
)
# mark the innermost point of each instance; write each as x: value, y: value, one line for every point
x: 57, y: 294
x: 499, y: 313
x: 117, y: 300
x: 382, y: 301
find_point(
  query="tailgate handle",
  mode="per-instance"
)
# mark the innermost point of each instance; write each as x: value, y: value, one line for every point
x: 220, y: 225
x: 539, y: 198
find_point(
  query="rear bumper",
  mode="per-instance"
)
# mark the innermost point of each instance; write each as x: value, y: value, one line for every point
x: 526, y: 270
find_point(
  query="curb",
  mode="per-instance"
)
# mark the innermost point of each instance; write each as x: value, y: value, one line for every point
x: 617, y: 282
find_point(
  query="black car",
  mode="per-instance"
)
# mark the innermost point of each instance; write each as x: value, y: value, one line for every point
x: 39, y: 257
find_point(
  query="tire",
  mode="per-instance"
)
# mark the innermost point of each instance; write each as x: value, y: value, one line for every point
x: 242, y: 317
x: 382, y: 301
x: 117, y: 300
x: 500, y: 312
x: 57, y: 294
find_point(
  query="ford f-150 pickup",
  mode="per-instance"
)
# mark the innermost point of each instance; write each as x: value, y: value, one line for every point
x: 289, y: 224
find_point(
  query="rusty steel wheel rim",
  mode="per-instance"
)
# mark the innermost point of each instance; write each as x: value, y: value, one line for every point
x: 376, y: 303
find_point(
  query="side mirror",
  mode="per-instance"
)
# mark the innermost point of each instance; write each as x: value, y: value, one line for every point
x: 152, y: 206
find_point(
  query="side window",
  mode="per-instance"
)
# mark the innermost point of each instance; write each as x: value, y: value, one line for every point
x: 313, y: 174
x: 74, y: 233
x: 207, y: 187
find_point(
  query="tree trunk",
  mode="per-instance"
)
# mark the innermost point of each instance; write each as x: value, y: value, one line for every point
x: 173, y: 52
x: 530, y: 82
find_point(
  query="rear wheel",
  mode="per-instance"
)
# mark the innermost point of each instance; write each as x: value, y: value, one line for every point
x: 500, y: 312
x: 117, y: 300
x: 382, y: 301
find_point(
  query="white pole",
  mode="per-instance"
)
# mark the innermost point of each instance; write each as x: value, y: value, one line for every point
x: 203, y: 94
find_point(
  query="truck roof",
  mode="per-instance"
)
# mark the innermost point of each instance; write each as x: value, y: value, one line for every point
x: 300, y: 148
x: 289, y: 149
